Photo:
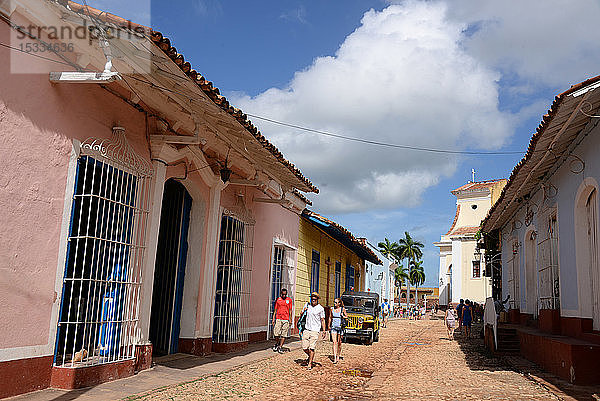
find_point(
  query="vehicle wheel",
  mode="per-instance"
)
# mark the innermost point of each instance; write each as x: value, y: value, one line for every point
x: 370, y: 339
x: 376, y: 339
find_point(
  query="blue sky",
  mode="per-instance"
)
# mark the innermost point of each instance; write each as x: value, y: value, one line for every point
x: 458, y: 75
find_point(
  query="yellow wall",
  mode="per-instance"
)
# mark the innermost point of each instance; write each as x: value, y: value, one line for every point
x: 474, y: 289
x: 311, y: 238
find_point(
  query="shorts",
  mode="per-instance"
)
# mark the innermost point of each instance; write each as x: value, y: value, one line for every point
x: 467, y: 323
x: 337, y: 330
x: 309, y: 339
x: 451, y: 324
x: 282, y: 328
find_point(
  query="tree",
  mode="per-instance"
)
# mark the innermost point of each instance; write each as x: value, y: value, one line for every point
x: 417, y: 276
x: 410, y: 250
x: 388, y: 248
x: 400, y: 276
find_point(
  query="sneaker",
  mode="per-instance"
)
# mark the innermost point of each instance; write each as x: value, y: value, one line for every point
x: 275, y: 348
x: 280, y: 350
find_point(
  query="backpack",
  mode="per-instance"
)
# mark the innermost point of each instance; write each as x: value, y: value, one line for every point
x: 302, y: 321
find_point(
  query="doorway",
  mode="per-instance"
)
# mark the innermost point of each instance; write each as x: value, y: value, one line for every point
x: 169, y: 269
x: 591, y: 207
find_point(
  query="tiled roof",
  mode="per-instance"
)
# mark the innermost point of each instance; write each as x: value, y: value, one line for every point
x: 207, y: 86
x: 548, y: 122
x: 473, y: 186
x: 465, y: 231
x: 302, y: 197
x: 455, y: 220
x: 344, y: 236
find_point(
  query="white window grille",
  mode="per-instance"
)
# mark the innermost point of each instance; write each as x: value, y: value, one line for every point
x: 277, y: 278
x: 514, y: 278
x: 232, y: 297
x: 548, y: 281
x: 98, y: 317
x: 281, y: 277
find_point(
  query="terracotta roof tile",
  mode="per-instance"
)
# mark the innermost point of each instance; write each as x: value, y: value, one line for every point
x: 455, y: 219
x: 207, y: 87
x: 465, y: 231
x: 472, y: 186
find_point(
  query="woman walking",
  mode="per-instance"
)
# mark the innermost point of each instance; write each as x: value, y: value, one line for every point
x: 467, y: 317
x: 450, y: 322
x: 338, y: 312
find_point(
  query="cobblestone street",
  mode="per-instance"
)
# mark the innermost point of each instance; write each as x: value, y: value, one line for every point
x: 413, y: 360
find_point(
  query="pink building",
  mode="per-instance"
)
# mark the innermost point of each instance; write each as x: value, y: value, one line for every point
x: 140, y: 211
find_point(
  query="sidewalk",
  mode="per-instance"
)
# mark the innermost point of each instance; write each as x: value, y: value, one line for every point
x: 168, y: 370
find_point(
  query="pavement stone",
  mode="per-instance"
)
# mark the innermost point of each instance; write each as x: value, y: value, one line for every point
x: 412, y: 361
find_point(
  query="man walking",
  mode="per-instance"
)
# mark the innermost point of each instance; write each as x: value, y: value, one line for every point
x: 282, y: 320
x: 315, y: 322
x: 385, y: 311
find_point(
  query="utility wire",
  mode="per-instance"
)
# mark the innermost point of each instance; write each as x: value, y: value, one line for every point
x: 315, y: 131
x: 348, y: 138
x: 370, y: 142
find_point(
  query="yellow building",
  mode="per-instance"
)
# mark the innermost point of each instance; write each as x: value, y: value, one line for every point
x: 461, y: 275
x: 330, y: 260
x: 429, y: 294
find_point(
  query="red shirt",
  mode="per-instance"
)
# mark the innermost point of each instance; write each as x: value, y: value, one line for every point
x: 283, y: 307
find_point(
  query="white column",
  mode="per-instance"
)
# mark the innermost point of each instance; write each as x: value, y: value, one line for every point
x: 156, y: 196
x: 206, y: 307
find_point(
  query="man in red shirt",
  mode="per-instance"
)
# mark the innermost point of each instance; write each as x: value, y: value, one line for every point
x: 282, y: 320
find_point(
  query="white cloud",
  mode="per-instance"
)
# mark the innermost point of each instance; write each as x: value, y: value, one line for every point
x: 544, y: 42
x: 401, y: 77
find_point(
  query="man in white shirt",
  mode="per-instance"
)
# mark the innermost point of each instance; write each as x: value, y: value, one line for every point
x: 315, y: 322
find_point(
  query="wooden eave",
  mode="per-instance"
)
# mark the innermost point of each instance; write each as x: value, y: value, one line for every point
x: 174, y: 92
x: 565, y: 115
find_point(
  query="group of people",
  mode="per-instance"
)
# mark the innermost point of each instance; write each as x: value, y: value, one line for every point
x: 466, y: 313
x: 314, y: 324
x: 411, y: 312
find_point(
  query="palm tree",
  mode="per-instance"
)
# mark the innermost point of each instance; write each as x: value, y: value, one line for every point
x: 400, y: 276
x: 388, y: 248
x: 410, y: 250
x: 417, y: 276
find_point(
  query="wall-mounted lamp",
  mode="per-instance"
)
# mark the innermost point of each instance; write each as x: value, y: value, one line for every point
x: 225, y: 174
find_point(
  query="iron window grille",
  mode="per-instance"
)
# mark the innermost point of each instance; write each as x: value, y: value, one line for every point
x: 349, y: 277
x: 514, y: 279
x: 315, y: 271
x: 281, y: 277
x: 98, y: 318
x: 234, y: 269
x: 548, y: 279
x: 476, y: 269
x: 338, y: 279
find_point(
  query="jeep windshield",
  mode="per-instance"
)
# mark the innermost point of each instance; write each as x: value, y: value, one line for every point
x: 359, y: 304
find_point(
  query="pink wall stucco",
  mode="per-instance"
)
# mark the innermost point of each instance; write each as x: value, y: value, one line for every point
x: 272, y: 221
x: 38, y: 122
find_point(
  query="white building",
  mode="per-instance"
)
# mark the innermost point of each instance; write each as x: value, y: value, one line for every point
x: 461, y: 276
x: 380, y: 278
x: 545, y: 229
